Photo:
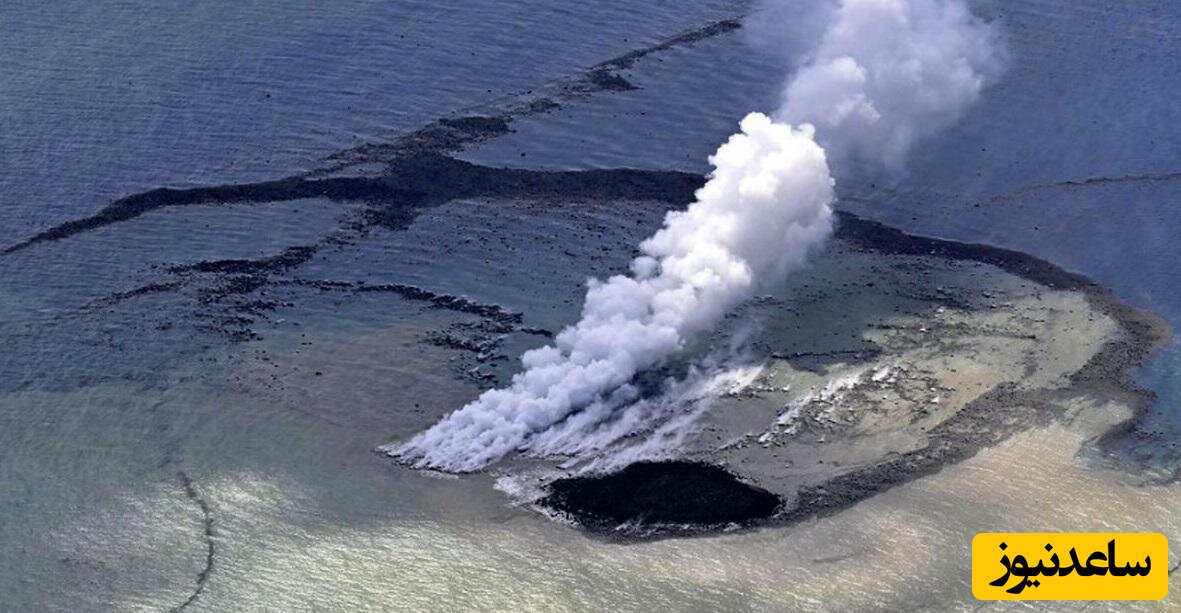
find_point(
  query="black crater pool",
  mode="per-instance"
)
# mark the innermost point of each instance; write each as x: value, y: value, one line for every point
x: 652, y: 495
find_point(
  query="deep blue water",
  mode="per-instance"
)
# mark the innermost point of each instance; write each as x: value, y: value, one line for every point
x: 98, y: 100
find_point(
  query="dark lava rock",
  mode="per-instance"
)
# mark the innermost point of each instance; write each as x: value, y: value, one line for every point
x: 646, y: 496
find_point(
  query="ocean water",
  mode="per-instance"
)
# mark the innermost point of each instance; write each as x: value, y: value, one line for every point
x: 147, y: 462
x: 99, y: 101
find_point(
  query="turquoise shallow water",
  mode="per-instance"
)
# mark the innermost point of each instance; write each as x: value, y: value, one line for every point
x: 106, y: 413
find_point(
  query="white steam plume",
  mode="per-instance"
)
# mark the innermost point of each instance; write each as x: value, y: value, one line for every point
x: 885, y: 73
x: 765, y: 205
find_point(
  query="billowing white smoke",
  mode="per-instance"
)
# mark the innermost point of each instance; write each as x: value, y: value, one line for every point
x: 764, y: 207
x: 890, y: 72
x: 886, y: 73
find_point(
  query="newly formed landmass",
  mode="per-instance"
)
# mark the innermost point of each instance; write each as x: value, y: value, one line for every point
x: 891, y: 357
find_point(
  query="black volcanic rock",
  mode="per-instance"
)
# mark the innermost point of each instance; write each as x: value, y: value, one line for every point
x: 653, y: 494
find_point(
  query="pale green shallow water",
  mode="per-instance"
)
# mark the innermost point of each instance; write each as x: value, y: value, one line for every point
x: 307, y: 517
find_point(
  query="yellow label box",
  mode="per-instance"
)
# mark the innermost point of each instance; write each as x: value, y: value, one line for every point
x: 1070, y: 566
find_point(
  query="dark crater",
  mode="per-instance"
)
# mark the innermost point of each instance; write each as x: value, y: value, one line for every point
x: 661, y: 497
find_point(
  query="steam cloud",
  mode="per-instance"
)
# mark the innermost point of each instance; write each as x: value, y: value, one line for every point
x: 884, y: 74
x: 765, y: 205
x: 891, y: 72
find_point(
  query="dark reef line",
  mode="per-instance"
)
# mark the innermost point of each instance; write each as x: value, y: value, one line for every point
x: 392, y: 200
x: 478, y: 124
x: 191, y: 493
x: 1086, y: 182
x: 459, y: 304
